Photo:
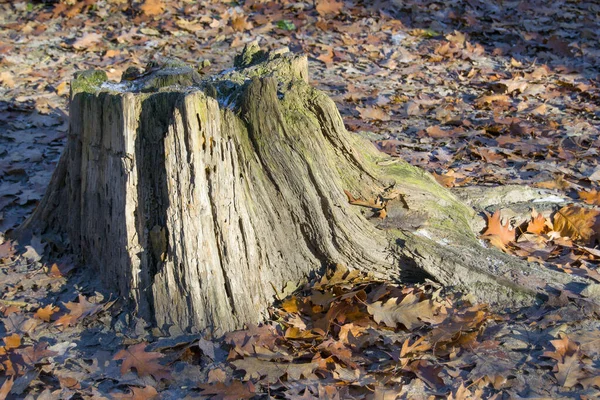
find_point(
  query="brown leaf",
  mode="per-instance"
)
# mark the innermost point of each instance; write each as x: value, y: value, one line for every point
x: 236, y: 390
x: 144, y: 362
x: 570, y: 371
x: 6, y: 387
x: 137, y: 393
x: 373, y: 113
x: 34, y: 354
x: 326, y: 7
x: 576, y: 222
x: 152, y: 8
x: 591, y: 197
x: 562, y: 348
x: 87, y: 40
x: 445, y: 179
x: 327, y: 57
x: 490, y: 99
x: 78, y: 311
x: 503, y: 232
x: 240, y: 23
x: 7, y: 79
x: 411, y: 312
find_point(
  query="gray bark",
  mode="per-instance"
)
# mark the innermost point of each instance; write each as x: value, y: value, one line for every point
x: 200, y: 199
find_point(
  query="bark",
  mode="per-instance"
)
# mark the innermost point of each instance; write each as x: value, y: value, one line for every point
x: 200, y: 199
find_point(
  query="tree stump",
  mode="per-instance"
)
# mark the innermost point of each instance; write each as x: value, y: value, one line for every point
x: 199, y: 199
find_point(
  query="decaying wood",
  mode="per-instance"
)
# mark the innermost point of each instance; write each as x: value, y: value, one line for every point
x: 199, y: 199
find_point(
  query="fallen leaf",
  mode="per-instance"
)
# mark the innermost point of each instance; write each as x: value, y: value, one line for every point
x: 78, y: 311
x: 12, y: 341
x: 373, y: 113
x: 538, y: 224
x: 570, y: 371
x: 576, y: 222
x: 411, y: 312
x: 152, y: 8
x: 7, y: 79
x: 236, y: 390
x: 327, y: 7
x: 87, y: 40
x: 591, y: 197
x: 495, y: 228
x: 6, y: 387
x: 137, y: 393
x: 144, y: 362
x: 45, y: 313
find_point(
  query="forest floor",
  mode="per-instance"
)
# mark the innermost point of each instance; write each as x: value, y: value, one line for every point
x: 476, y: 92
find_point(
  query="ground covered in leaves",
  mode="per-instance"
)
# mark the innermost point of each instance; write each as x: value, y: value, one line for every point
x: 478, y: 93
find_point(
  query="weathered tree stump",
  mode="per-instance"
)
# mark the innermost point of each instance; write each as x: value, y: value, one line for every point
x: 198, y: 199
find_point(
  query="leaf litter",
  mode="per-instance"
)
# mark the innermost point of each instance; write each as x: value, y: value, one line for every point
x: 487, y: 93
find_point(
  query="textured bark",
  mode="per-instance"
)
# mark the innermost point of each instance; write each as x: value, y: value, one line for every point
x: 200, y: 199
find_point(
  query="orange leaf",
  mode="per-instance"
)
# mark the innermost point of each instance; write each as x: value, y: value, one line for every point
x: 78, y: 311
x: 290, y: 305
x: 538, y: 224
x: 45, y: 313
x: 6, y: 386
x: 144, y: 362
x: 240, y: 23
x: 591, y: 197
x: 495, y: 228
x: 445, y: 180
x: 13, y: 341
x: 152, y: 7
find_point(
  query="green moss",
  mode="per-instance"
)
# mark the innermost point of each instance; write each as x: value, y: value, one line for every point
x: 87, y: 81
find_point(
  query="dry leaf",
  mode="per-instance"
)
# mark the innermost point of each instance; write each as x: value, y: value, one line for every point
x: 45, y: 313
x: 591, y: 197
x: 538, y: 224
x: 503, y: 232
x: 373, y: 113
x: 12, y: 341
x: 87, y: 40
x: 144, y: 362
x: 326, y: 7
x: 137, y: 393
x: 576, y: 222
x: 235, y: 390
x: 152, y: 8
x: 411, y: 312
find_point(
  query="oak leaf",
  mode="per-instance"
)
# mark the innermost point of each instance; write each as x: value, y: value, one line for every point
x: 326, y: 7
x: 499, y: 234
x: 576, y: 222
x: 12, y: 341
x: 236, y: 390
x: 591, y: 197
x: 570, y: 371
x: 45, y: 313
x: 538, y: 224
x: 137, y: 393
x: 152, y: 7
x: 373, y: 113
x: 78, y: 311
x: 144, y: 362
x: 411, y: 312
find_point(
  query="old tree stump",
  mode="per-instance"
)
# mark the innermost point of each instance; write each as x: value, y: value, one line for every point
x: 200, y: 199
